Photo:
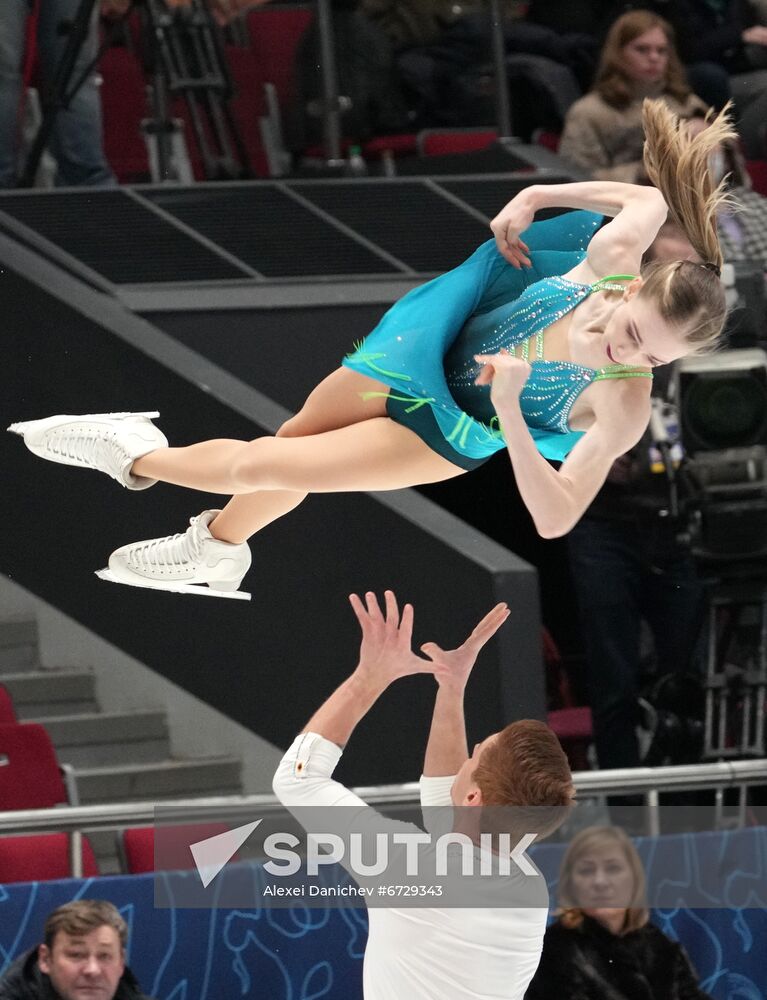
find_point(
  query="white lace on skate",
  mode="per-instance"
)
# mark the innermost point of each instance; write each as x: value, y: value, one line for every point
x: 175, y: 554
x: 96, y: 448
x: 190, y: 562
x: 107, y: 442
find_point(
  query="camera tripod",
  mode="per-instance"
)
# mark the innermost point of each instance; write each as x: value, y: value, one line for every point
x: 735, y: 683
x: 186, y: 59
x: 736, y: 672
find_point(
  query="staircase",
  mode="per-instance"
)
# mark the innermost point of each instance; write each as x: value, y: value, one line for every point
x: 116, y: 756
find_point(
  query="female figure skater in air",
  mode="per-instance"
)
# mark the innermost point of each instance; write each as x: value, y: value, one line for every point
x: 542, y: 342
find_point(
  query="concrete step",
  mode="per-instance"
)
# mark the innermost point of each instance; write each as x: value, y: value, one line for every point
x: 109, y: 738
x: 19, y: 648
x: 162, y: 780
x: 40, y: 693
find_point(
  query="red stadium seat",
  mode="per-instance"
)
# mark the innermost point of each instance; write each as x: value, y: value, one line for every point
x: 32, y: 778
x: 549, y: 140
x: 39, y: 858
x: 124, y: 105
x: 443, y: 141
x: 7, y: 711
x: 757, y: 171
x: 136, y: 846
x: 571, y: 723
x: 274, y: 37
x: 400, y: 144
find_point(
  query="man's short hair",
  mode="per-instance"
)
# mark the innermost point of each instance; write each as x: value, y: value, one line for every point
x: 526, y: 770
x: 83, y: 916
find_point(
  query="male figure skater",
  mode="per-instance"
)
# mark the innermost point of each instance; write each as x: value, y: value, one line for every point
x: 433, y: 953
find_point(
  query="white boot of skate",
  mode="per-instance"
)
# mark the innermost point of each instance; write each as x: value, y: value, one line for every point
x: 107, y: 442
x: 190, y: 563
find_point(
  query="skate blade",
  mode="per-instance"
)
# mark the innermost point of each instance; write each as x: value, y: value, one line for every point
x: 200, y: 589
x: 25, y: 425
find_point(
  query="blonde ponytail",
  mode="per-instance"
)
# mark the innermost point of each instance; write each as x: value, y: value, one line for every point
x: 677, y: 164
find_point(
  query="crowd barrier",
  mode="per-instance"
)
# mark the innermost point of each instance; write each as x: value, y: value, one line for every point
x: 307, y: 954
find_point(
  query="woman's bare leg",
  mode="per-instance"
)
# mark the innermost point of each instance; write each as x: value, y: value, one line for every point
x: 336, y: 402
x: 244, y: 515
x: 376, y: 454
x: 271, y: 476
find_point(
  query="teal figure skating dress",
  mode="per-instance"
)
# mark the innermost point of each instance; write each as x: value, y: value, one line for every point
x: 423, y: 349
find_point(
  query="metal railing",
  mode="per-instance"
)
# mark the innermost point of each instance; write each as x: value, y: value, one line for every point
x: 646, y: 781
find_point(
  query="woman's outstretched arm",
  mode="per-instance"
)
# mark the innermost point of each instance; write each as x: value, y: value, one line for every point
x: 637, y: 213
x: 557, y: 499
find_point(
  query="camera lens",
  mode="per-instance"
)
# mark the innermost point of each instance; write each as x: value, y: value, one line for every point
x: 726, y: 411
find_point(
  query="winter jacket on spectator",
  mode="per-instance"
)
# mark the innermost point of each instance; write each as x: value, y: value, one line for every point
x: 23, y: 980
x: 605, y: 141
x: 589, y: 962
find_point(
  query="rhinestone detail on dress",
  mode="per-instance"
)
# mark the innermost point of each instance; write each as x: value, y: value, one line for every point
x: 553, y: 386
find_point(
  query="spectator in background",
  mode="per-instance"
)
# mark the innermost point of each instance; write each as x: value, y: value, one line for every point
x: 708, y: 80
x: 603, y: 131
x: 76, y: 142
x: 603, y: 946
x: 444, y: 51
x: 82, y: 957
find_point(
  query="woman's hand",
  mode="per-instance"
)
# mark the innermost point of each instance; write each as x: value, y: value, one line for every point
x: 505, y: 374
x: 509, y: 223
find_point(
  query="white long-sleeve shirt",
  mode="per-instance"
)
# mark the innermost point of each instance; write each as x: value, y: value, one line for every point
x: 428, y: 953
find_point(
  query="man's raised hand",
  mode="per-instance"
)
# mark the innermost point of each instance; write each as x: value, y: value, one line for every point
x: 386, y: 649
x: 452, y: 667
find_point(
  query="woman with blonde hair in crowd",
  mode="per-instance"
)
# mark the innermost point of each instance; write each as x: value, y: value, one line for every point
x: 603, y: 132
x: 602, y: 945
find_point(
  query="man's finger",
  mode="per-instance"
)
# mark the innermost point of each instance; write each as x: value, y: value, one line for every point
x: 360, y: 612
x: 406, y: 625
x: 392, y: 610
x: 432, y: 650
x: 494, y: 618
x: 489, y: 625
x: 374, y: 611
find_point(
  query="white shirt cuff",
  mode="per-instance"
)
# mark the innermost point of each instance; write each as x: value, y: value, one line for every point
x: 312, y: 756
x: 436, y: 791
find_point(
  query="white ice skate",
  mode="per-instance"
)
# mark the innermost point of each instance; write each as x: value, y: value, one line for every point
x: 108, y: 442
x: 190, y: 563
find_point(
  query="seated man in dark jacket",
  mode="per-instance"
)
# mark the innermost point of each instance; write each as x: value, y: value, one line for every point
x: 82, y: 957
